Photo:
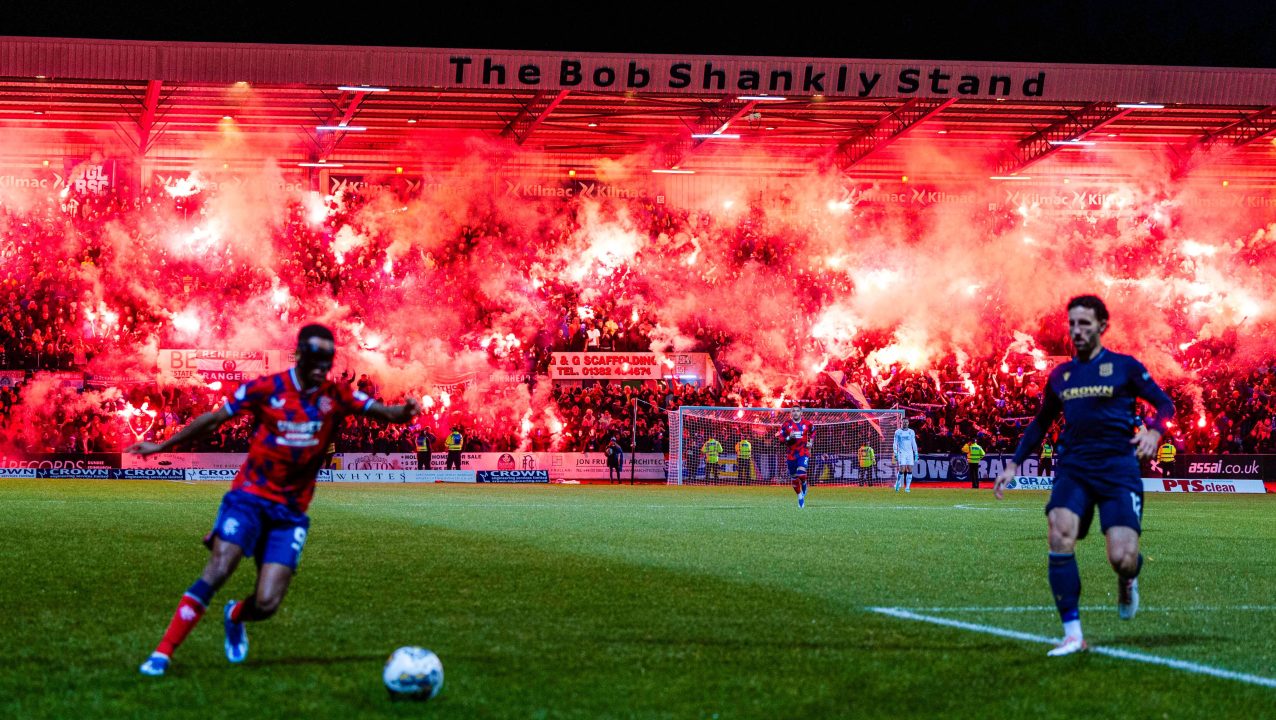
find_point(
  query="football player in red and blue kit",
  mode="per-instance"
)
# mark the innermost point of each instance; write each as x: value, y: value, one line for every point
x: 296, y: 414
x: 797, y: 434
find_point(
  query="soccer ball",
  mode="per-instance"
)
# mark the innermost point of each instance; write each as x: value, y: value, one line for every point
x: 414, y: 673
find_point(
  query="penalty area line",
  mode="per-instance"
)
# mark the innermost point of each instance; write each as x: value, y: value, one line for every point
x: 1183, y: 665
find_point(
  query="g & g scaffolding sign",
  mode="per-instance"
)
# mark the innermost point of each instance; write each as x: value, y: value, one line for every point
x: 605, y: 366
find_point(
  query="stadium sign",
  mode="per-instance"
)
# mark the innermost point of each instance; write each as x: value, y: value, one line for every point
x: 177, y: 184
x: 756, y: 75
x: 65, y: 379
x: 368, y: 476
x: 206, y: 461
x: 576, y: 188
x: 403, y: 186
x: 513, y: 476
x: 89, y: 176
x: 150, y: 474
x: 605, y: 366
x: 37, y: 180
x: 1210, y: 485
x: 375, y: 461
x: 217, y: 364
x: 1223, y: 466
x: 396, y: 476
x: 62, y: 461
x: 561, y: 466
x: 97, y: 473
x: 1029, y: 482
x: 439, y: 476
x: 210, y: 474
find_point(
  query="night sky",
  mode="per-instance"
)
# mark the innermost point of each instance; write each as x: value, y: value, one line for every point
x: 1220, y: 33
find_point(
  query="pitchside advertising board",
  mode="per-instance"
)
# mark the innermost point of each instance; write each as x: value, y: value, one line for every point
x: 103, y: 473
x: 512, y: 476
x: 845, y: 467
x: 1159, y: 485
x: 204, y: 461
x: 562, y: 466
x: 1240, y: 467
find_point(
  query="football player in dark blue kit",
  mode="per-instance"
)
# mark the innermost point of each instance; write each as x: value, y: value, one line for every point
x: 1096, y: 392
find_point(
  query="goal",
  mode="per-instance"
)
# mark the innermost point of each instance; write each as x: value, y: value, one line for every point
x: 835, y: 453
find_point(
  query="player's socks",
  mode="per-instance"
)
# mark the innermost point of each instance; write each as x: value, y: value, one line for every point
x: 1065, y: 583
x: 899, y: 480
x: 189, y: 610
x: 908, y: 482
x: 1072, y: 628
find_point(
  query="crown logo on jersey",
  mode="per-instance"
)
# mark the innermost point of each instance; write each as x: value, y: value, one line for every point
x: 325, y: 405
x: 1067, y: 375
x: 1105, y: 370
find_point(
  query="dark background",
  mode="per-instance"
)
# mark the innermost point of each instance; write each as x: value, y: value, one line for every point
x: 1225, y: 33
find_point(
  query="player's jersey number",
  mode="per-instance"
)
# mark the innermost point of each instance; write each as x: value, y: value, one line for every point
x: 298, y: 539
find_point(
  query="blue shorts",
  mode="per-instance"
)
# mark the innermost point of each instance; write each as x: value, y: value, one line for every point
x: 797, y: 468
x: 1116, y: 491
x: 266, y: 530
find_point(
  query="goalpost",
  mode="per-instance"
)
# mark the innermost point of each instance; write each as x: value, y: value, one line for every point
x: 841, y: 437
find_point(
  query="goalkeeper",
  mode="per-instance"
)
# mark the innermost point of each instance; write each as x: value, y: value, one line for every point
x: 797, y: 435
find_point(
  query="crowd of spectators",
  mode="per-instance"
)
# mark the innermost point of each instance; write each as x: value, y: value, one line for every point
x: 87, y: 279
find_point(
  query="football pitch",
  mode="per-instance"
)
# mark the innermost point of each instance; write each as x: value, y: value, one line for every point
x: 637, y: 602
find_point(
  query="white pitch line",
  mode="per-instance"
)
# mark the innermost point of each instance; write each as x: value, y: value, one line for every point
x: 1184, y: 665
x: 1093, y: 608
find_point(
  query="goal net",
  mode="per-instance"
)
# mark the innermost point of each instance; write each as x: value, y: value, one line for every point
x: 840, y: 439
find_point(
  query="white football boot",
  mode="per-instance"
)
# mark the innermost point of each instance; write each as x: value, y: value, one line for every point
x: 1069, y: 646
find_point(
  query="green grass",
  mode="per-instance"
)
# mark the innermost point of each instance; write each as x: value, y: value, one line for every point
x: 619, y: 602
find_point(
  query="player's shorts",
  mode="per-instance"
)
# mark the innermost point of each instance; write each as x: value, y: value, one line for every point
x: 797, y: 466
x: 906, y: 459
x: 266, y: 530
x: 1117, y: 492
